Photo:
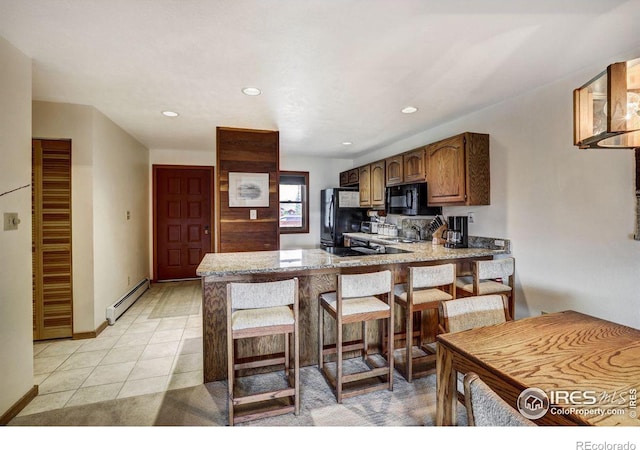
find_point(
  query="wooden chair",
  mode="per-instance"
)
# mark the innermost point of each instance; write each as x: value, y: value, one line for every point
x: 426, y: 287
x: 257, y: 310
x: 495, y: 276
x: 485, y: 408
x: 358, y: 299
x: 472, y: 312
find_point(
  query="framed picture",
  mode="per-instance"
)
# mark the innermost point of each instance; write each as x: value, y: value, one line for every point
x: 248, y: 189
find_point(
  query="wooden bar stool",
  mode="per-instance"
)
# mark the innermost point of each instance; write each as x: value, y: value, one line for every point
x: 256, y: 310
x: 495, y: 276
x: 357, y: 299
x: 426, y: 287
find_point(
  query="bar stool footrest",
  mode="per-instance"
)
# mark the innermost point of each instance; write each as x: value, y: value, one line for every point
x: 263, y: 396
x: 254, y: 362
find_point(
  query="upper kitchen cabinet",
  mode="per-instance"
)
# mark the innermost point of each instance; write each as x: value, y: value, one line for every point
x: 350, y: 177
x: 395, y: 170
x: 372, y: 184
x: 414, y: 166
x: 365, y: 185
x: 406, y: 168
x: 458, y: 170
x: 377, y: 184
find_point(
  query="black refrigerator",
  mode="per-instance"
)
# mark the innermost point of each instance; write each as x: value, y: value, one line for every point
x: 341, y: 213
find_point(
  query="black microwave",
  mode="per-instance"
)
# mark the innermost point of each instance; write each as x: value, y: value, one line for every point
x: 410, y: 200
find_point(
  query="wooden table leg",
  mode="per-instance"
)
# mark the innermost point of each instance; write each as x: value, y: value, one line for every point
x: 446, y: 397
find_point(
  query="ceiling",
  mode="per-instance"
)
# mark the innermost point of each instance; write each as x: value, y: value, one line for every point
x: 330, y: 70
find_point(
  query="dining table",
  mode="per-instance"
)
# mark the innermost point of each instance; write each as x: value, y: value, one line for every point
x: 563, y: 368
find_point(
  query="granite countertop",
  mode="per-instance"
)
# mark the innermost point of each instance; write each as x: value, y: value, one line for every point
x: 244, y: 263
x: 474, y: 241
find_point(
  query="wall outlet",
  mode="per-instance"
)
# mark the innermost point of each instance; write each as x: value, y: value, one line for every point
x: 128, y: 215
x: 253, y: 214
x: 472, y: 217
x: 11, y: 221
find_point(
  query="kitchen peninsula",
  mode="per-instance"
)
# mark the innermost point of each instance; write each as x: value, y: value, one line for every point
x: 317, y: 272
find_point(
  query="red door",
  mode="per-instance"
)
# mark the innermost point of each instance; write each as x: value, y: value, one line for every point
x: 182, y: 219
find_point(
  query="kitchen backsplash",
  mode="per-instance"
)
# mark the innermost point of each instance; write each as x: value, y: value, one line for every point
x: 405, y: 229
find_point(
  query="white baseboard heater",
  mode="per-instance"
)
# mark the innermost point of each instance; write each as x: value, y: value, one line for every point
x: 118, y: 308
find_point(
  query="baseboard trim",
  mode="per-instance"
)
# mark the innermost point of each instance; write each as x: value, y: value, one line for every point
x: 91, y: 334
x: 19, y: 405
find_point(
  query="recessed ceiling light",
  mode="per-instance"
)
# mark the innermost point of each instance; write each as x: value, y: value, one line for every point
x: 347, y: 143
x: 170, y: 113
x: 251, y: 91
x: 409, y: 109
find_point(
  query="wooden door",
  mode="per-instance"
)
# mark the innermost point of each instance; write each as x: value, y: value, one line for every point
x: 446, y: 171
x: 344, y: 178
x: 414, y: 171
x: 364, y: 175
x: 51, y: 239
x: 378, y: 177
x: 182, y: 219
x: 395, y: 170
x: 354, y: 176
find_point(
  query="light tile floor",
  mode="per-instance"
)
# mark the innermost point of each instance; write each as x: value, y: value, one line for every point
x: 135, y: 356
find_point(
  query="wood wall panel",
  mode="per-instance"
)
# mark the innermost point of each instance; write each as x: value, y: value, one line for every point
x: 250, y: 151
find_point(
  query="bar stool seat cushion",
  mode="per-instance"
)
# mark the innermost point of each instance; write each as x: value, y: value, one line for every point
x: 265, y: 317
x: 484, y: 287
x: 421, y: 296
x: 356, y: 305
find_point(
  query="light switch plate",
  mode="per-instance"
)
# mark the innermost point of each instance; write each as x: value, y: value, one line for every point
x: 253, y: 214
x: 472, y: 217
x: 11, y: 221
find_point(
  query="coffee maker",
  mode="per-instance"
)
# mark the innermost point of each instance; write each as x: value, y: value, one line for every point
x: 458, y: 232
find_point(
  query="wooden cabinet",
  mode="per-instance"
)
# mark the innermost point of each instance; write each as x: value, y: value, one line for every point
x: 350, y: 177
x: 372, y: 185
x: 365, y: 185
x: 406, y: 168
x: 414, y: 166
x: 395, y: 170
x: 458, y: 170
x: 378, y: 175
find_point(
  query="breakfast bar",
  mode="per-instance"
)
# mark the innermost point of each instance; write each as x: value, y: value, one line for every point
x: 317, y: 272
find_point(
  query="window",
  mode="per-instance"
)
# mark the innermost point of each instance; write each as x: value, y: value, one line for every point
x: 294, y: 206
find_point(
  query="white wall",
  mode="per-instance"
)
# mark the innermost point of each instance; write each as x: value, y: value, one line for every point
x: 16, y: 322
x: 569, y: 213
x: 75, y: 122
x: 109, y: 176
x: 120, y: 185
